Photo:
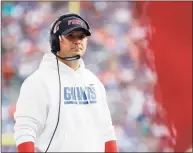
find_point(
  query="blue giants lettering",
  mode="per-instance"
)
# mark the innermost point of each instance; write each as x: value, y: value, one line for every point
x: 82, y: 98
x: 91, y: 94
x: 79, y: 95
x: 69, y: 95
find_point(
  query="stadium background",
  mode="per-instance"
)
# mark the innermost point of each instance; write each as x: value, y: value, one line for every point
x: 117, y: 53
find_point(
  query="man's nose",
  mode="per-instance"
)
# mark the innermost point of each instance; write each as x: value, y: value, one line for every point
x: 77, y: 41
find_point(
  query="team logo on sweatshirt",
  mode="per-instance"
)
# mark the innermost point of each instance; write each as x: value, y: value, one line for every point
x: 80, y: 95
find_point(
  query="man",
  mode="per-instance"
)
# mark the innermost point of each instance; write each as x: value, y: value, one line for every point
x: 62, y: 106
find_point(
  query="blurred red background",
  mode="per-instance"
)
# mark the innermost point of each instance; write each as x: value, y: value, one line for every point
x: 171, y: 43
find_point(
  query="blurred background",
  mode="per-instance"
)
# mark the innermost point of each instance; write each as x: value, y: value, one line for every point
x: 118, y: 53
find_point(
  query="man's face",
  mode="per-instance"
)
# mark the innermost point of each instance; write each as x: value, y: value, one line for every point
x: 74, y: 43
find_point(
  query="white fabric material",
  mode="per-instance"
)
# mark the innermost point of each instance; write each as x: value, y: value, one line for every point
x: 82, y: 127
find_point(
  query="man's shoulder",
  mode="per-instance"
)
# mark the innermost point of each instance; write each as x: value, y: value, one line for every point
x: 96, y: 78
x: 91, y: 74
x: 33, y: 78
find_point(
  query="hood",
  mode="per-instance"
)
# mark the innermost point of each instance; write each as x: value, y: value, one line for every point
x: 49, y: 62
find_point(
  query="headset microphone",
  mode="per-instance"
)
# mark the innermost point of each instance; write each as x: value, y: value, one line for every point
x: 76, y: 57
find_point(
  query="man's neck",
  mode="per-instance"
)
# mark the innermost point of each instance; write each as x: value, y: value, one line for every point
x: 75, y: 64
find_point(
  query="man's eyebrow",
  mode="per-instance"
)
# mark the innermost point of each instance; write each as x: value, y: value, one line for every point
x: 76, y: 33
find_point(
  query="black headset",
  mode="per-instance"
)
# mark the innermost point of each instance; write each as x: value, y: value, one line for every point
x: 54, y: 37
x: 55, y: 47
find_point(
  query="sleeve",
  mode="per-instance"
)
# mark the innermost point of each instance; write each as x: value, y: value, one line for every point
x: 31, y: 111
x: 107, y: 126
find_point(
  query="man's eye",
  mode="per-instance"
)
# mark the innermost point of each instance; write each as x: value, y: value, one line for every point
x: 70, y: 36
x: 82, y: 36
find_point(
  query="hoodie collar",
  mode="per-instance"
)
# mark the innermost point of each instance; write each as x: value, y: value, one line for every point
x: 49, y: 62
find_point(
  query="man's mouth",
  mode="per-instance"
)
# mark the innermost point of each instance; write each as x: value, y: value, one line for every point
x: 77, y: 48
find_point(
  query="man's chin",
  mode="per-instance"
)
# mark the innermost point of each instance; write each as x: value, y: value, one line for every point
x: 77, y: 53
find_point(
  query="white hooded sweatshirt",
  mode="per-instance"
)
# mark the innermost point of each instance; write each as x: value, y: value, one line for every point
x: 85, y: 122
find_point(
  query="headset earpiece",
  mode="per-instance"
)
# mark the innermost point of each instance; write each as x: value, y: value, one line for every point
x: 54, y: 43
